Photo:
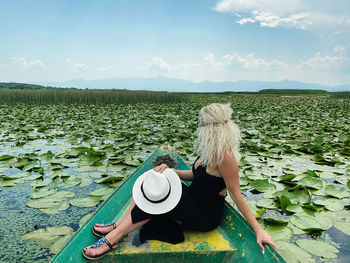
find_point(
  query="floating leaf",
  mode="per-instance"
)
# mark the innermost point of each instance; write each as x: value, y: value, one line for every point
x: 341, y: 221
x: 292, y: 253
x: 274, y: 221
x: 266, y: 203
x: 102, y: 191
x: 318, y: 248
x: 305, y: 222
x: 41, y: 183
x: 109, y: 179
x: 48, y: 235
x: 59, y: 244
x: 60, y: 206
x: 85, y: 202
x: 42, y: 192
x: 6, y: 157
x: 262, y: 185
x: 279, y: 232
x: 340, y: 193
x: 311, y: 182
x: 324, y: 218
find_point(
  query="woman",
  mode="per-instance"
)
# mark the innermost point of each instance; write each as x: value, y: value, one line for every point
x: 214, y: 173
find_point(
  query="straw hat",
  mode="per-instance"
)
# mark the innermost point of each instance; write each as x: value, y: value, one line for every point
x: 157, y: 193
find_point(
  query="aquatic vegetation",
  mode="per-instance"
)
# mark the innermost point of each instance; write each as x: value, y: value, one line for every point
x: 61, y: 161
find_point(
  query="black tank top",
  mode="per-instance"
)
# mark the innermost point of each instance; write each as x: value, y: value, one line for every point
x: 205, y: 188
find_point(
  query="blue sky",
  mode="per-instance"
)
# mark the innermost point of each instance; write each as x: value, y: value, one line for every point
x: 223, y: 40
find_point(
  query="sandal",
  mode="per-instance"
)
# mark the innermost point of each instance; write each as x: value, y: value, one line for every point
x: 100, y: 234
x: 99, y: 243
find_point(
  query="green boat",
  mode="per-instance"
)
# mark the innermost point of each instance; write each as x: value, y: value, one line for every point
x: 233, y: 241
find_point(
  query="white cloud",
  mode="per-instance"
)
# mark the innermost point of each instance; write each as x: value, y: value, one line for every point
x: 107, y: 69
x: 3, y: 66
x: 250, y: 62
x: 322, y: 63
x: 291, y: 13
x: 239, y: 66
x: 77, y: 67
x: 339, y: 49
x: 159, y: 64
x: 246, y: 20
x: 33, y: 64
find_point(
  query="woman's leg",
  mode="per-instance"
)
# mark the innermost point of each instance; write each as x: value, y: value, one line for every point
x: 125, y: 226
x: 108, y: 229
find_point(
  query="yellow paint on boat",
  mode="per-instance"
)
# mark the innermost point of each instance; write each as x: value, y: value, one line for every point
x: 200, y: 242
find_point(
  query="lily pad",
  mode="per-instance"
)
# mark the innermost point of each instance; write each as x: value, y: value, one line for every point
x: 311, y: 182
x: 90, y: 201
x: 102, y: 191
x: 110, y: 179
x: 318, y: 248
x: 47, y: 236
x: 341, y: 221
x: 279, y: 232
x: 262, y: 185
x: 305, y: 222
x: 266, y: 203
x: 292, y: 253
x: 340, y: 193
x: 42, y: 192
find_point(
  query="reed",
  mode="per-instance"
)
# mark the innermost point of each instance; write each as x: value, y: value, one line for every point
x: 89, y: 96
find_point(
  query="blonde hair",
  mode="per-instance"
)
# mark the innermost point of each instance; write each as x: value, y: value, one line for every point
x: 216, y: 133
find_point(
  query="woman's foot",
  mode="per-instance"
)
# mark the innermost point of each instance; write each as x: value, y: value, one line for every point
x: 99, y: 249
x: 102, y: 229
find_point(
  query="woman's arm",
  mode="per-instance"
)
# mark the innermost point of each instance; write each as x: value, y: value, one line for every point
x: 185, y: 175
x: 229, y: 171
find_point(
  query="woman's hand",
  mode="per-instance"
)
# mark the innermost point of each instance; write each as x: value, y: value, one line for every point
x: 263, y: 237
x: 161, y: 168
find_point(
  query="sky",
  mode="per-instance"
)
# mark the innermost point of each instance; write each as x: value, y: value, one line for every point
x: 197, y: 40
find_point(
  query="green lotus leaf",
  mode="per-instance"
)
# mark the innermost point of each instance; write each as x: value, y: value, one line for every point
x: 334, y: 204
x: 85, y: 181
x: 266, y: 203
x: 6, y: 157
x: 318, y: 248
x: 279, y: 232
x: 294, y: 208
x: 340, y: 193
x: 305, y: 222
x: 12, y: 176
x: 341, y: 221
x: 292, y: 253
x: 59, y: 244
x: 70, y: 183
x: 61, y: 195
x: 42, y: 203
x: 102, y: 191
x: 274, y: 221
x: 325, y: 220
x: 284, y: 202
x: 311, y: 182
x: 41, y: 183
x: 47, y: 236
x: 262, y: 185
x: 85, y: 219
x: 11, y: 182
x: 110, y: 179
x: 59, y: 206
x: 131, y: 162
x: 42, y: 192
x: 90, y: 201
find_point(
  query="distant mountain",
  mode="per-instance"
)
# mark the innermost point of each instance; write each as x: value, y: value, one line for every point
x: 182, y: 85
